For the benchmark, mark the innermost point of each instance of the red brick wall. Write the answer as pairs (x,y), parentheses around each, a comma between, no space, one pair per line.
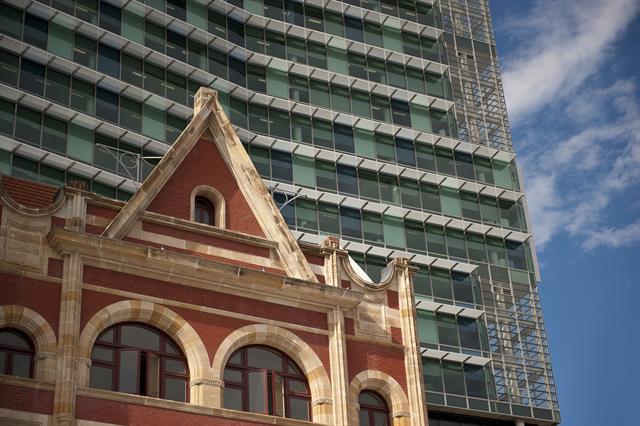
(365,356)
(40,296)
(392,297)
(204,166)
(26,399)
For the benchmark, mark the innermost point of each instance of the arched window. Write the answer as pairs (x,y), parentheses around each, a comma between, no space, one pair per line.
(16,353)
(204,211)
(264,380)
(137,359)
(373,409)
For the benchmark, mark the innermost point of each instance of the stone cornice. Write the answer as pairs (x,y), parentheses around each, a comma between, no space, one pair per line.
(190,226)
(172,266)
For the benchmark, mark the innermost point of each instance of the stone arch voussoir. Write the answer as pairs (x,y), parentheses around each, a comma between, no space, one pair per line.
(387,387)
(40,332)
(294,347)
(160,317)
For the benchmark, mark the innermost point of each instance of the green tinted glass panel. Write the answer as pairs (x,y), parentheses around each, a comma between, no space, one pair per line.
(153,123)
(450,202)
(393,232)
(277,83)
(304,171)
(364,141)
(427,327)
(60,41)
(502,174)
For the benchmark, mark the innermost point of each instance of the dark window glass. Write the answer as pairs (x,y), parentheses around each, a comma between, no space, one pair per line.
(357,66)
(260,158)
(453,378)
(131,70)
(475,381)
(432,375)
(401,115)
(317,55)
(28,125)
(177,8)
(373,409)
(299,89)
(217,24)
(430,197)
(258,119)
(414,234)
(279,125)
(274,9)
(7,115)
(410,193)
(464,165)
(350,221)
(9,66)
(343,138)
(57,87)
(84,51)
(87,10)
(107,105)
(347,179)
(275,44)
(389,189)
(405,152)
(380,108)
(425,157)
(470,207)
(469,334)
(301,129)
(447,330)
(372,227)
(264,380)
(435,240)
(462,287)
(326,175)
(109,17)
(32,77)
(397,75)
(154,36)
(296,50)
(16,353)
(328,219)
(176,88)
(322,134)
(237,73)
(294,13)
(218,63)
(82,96)
(137,359)
(131,114)
(369,187)
(256,78)
(235,32)
(10,21)
(176,46)
(197,54)
(353,29)
(204,211)
(54,135)
(516,255)
(281,167)
(444,161)
(314,19)
(238,112)
(36,31)
(108,61)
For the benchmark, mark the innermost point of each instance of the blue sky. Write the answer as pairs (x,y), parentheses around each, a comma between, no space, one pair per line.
(571,72)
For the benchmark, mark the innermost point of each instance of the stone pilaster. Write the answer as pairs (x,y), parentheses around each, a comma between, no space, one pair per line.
(337,337)
(64,402)
(412,360)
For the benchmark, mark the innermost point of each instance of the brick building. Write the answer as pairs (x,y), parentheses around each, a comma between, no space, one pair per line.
(192,303)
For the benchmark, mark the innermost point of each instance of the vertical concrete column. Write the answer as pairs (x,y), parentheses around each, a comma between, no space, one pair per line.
(412,359)
(337,337)
(64,402)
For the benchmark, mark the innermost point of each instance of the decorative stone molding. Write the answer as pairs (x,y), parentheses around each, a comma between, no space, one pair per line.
(401,413)
(40,332)
(213,382)
(321,401)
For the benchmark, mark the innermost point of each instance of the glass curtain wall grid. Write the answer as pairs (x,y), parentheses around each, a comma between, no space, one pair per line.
(386,115)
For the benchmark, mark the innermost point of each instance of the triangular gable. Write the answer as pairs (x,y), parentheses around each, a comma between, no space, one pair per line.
(210,125)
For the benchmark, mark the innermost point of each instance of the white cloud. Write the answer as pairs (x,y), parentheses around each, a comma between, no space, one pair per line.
(563,43)
(614,237)
(586,156)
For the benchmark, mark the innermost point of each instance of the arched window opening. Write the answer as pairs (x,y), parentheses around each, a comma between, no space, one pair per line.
(16,353)
(374,410)
(260,379)
(141,360)
(204,211)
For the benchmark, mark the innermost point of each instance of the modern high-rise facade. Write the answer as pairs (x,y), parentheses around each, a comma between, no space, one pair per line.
(380,121)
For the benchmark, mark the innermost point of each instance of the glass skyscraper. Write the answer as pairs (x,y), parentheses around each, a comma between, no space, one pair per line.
(382,121)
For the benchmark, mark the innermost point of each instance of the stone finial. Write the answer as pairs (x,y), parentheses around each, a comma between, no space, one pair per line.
(203,95)
(78,184)
(331,242)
